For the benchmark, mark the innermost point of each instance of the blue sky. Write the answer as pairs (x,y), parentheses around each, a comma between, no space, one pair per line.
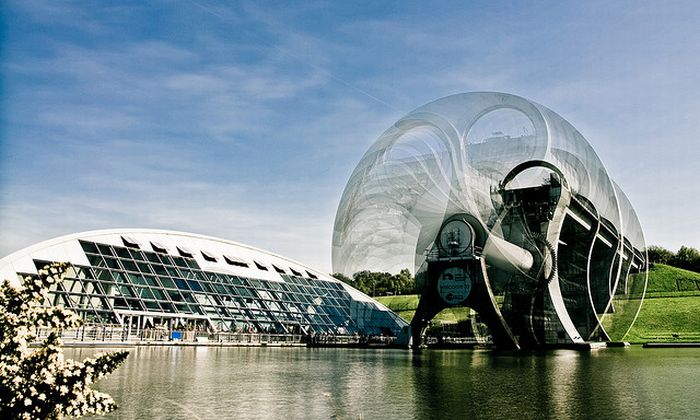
(244,120)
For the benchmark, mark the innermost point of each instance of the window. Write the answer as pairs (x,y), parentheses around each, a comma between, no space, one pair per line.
(194,285)
(278,269)
(136,279)
(208,256)
(260,266)
(137,255)
(145,268)
(112,263)
(152,281)
(89,247)
(167,282)
(105,249)
(129,265)
(152,305)
(122,252)
(311,275)
(295,272)
(180,262)
(165,259)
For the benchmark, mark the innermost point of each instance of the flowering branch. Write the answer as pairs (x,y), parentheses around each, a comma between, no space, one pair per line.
(39,383)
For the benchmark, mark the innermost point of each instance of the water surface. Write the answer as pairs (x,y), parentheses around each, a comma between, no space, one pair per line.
(274,383)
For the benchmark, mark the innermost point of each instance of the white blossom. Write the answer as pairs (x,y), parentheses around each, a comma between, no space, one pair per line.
(21,371)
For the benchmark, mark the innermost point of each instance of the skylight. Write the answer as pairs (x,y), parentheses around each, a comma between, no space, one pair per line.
(130,242)
(235,261)
(208,256)
(185,252)
(158,247)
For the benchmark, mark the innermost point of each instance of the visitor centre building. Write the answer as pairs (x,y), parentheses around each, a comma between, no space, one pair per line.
(144,279)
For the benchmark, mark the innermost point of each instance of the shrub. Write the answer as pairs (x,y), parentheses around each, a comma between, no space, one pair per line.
(40,383)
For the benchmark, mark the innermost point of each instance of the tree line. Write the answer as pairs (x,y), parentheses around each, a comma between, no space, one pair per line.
(687,257)
(381,284)
(376,283)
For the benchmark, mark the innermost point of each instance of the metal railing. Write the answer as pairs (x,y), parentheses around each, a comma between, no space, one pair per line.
(123,334)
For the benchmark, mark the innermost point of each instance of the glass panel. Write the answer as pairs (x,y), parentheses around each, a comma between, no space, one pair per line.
(137,279)
(152,305)
(89,247)
(137,255)
(180,262)
(105,249)
(151,281)
(194,285)
(119,276)
(168,282)
(145,268)
(112,263)
(126,291)
(122,252)
(96,261)
(129,265)
(175,296)
(159,294)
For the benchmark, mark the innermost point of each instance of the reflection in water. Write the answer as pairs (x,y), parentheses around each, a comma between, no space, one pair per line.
(171,382)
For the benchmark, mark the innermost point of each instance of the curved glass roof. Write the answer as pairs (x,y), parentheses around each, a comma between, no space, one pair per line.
(182,277)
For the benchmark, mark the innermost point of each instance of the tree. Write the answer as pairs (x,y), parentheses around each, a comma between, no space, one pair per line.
(363,281)
(687,258)
(659,254)
(405,283)
(375,283)
(342,277)
(40,383)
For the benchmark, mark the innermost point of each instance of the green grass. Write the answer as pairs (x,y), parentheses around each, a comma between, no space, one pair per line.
(662,318)
(405,306)
(664,278)
(400,302)
(670,312)
(671,309)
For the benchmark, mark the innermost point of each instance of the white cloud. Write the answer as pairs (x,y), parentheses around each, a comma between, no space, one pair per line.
(244,122)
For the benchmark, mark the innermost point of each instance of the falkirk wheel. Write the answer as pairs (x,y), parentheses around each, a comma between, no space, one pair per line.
(500,205)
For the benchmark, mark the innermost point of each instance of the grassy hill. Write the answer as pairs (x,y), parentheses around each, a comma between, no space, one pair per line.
(671,310)
(405,306)
(664,279)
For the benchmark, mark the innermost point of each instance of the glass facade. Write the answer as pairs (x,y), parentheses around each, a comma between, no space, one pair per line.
(130,283)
